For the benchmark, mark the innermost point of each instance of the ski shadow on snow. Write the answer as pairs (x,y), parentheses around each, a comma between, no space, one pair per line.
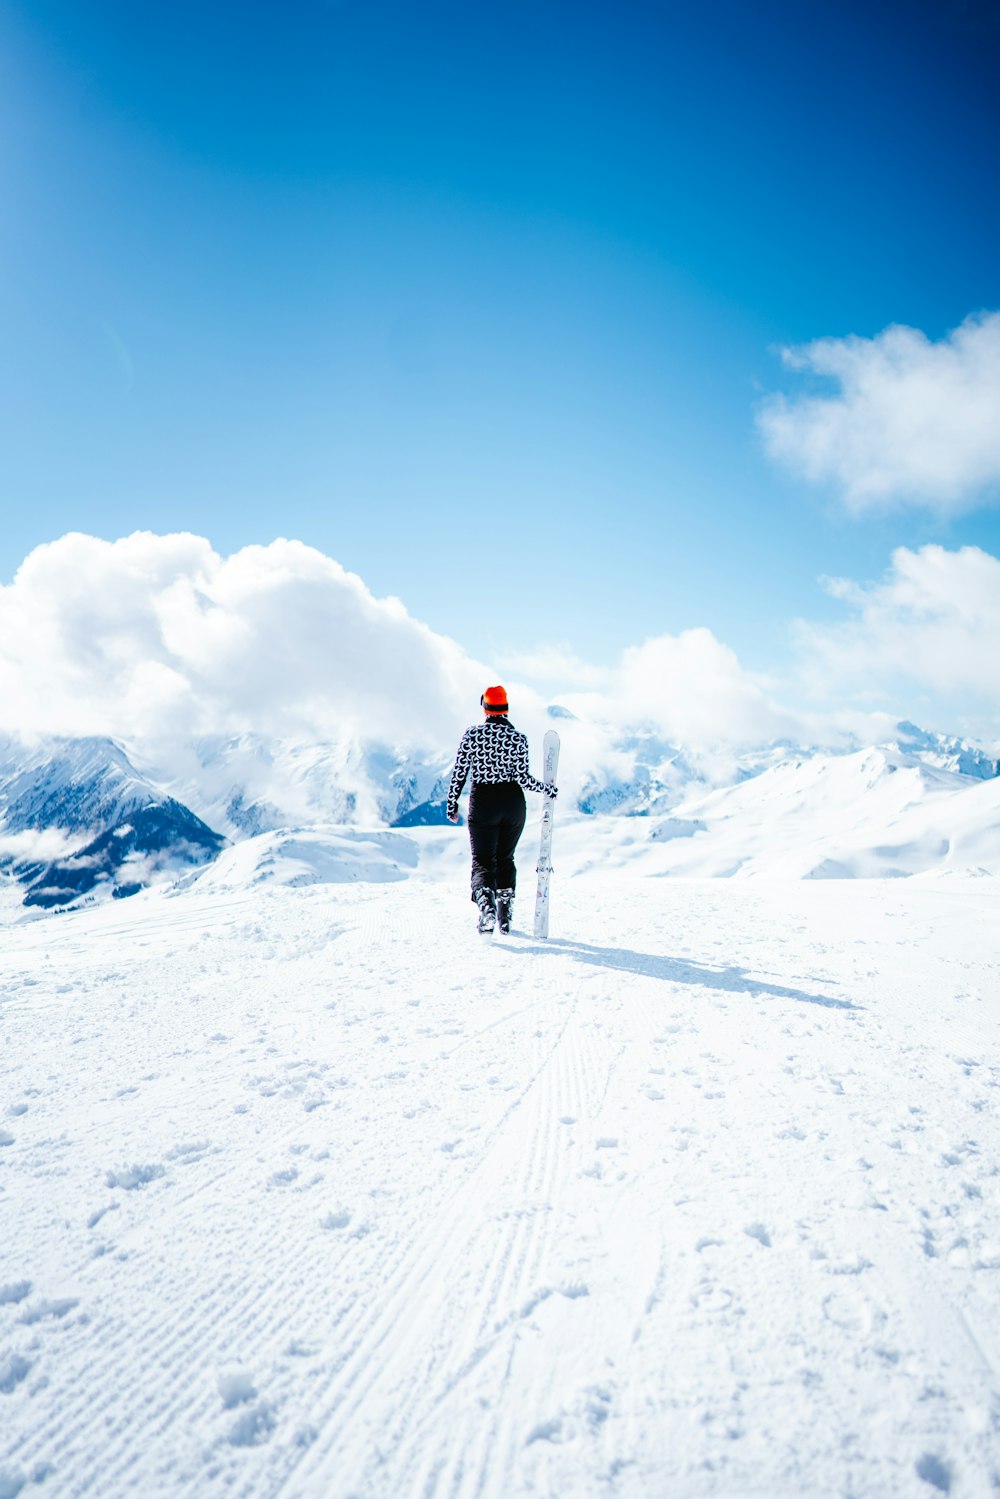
(679,971)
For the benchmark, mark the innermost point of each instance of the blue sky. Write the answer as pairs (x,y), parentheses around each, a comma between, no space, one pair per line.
(482,301)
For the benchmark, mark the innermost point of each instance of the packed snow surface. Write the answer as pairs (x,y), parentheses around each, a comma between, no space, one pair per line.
(306,1190)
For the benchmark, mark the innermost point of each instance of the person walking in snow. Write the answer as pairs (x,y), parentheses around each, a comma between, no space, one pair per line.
(495,754)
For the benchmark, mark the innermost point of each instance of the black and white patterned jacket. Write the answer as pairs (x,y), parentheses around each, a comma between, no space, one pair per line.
(493,752)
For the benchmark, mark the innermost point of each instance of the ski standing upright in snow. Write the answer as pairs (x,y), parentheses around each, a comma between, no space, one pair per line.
(550,766)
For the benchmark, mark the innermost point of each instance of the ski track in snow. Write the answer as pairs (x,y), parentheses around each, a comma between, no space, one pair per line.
(315,1193)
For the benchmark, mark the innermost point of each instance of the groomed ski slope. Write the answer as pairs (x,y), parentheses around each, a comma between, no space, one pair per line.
(312,1192)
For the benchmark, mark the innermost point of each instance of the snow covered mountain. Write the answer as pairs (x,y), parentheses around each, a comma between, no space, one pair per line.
(79,819)
(879,812)
(644,775)
(248,784)
(946,752)
(73,784)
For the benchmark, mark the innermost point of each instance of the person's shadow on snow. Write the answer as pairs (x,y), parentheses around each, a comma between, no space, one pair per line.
(678,971)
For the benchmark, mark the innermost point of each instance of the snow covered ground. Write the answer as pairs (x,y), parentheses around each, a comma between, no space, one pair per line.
(307,1190)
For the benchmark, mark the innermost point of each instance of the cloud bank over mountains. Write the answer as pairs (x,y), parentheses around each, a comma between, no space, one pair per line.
(691,686)
(912,422)
(159,636)
(932,621)
(157,640)
(154,638)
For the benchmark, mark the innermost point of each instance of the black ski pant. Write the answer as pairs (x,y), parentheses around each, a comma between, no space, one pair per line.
(496,821)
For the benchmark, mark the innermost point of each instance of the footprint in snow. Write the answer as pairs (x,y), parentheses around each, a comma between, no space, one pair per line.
(236,1387)
(597,1405)
(283,1178)
(853,1264)
(130,1178)
(711,1298)
(14,1291)
(95,1217)
(759,1232)
(42,1310)
(935,1472)
(254,1427)
(572,1291)
(545,1431)
(339,1218)
(13,1369)
(192,1151)
(17,1109)
(12,1481)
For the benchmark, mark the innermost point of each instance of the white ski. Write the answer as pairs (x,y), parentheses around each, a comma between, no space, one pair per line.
(550,764)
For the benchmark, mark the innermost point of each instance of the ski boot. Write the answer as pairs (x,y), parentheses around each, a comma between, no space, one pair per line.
(505,907)
(486,902)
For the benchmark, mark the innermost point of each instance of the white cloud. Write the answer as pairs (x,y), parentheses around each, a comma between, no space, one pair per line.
(155,637)
(557,668)
(155,640)
(38,845)
(913,421)
(694,688)
(933,621)
(688,690)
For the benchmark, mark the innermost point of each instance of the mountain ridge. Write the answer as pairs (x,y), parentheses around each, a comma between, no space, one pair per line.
(79,820)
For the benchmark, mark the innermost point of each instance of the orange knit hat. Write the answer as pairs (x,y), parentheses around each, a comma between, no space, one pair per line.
(494,700)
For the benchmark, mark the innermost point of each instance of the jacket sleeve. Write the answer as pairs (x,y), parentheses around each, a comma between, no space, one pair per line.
(524,777)
(463,764)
